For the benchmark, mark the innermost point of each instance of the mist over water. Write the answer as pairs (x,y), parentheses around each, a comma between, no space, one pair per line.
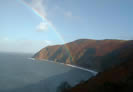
(20,74)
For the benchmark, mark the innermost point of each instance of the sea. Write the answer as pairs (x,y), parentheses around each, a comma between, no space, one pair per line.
(20,73)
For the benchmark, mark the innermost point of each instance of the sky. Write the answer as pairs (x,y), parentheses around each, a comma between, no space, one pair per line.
(30,25)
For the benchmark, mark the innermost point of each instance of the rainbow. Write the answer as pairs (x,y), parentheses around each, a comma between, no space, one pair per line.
(44,19)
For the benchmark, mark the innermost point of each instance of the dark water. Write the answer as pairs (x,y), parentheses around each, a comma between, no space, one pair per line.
(20,74)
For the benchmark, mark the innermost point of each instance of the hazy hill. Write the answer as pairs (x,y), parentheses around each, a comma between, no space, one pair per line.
(93,54)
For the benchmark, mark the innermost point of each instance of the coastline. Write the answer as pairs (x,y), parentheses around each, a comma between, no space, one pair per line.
(69,65)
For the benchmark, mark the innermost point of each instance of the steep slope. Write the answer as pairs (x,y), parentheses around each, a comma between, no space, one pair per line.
(117,79)
(92,54)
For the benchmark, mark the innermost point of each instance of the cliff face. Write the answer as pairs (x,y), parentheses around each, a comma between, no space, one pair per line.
(92,54)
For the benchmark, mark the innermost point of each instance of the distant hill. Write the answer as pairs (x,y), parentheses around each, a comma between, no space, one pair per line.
(117,79)
(92,54)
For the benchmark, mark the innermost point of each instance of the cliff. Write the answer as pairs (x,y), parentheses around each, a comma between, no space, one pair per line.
(93,54)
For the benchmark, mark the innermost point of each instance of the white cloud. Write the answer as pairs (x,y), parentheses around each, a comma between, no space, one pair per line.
(42,27)
(39,7)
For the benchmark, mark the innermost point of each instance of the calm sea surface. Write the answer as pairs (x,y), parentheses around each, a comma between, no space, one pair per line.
(20,74)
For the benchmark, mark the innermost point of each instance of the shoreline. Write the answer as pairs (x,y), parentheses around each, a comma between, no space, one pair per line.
(73,66)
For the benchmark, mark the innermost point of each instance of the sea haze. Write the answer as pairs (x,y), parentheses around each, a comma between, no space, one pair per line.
(20,74)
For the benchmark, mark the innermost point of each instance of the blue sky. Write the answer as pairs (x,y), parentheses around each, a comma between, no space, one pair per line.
(29,25)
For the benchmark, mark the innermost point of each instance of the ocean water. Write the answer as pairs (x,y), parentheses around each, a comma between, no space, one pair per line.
(20,74)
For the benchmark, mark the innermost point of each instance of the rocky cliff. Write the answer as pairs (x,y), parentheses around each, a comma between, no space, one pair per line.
(93,54)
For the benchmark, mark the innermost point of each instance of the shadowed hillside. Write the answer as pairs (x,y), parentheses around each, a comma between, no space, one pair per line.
(93,54)
(117,79)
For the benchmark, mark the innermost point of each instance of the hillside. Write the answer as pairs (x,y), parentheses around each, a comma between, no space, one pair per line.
(117,79)
(93,54)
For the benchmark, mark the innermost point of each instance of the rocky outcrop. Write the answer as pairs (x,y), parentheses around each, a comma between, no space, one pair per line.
(93,54)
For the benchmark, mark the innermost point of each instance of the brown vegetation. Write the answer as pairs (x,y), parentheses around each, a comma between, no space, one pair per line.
(117,79)
(93,54)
